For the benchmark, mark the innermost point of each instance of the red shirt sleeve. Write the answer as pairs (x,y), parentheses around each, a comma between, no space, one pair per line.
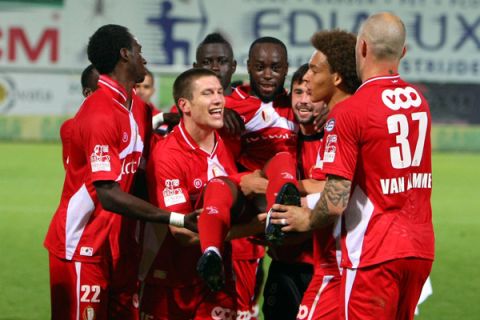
(101,141)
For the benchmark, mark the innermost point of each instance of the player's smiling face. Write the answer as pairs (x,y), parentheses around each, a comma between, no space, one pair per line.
(320,80)
(218,58)
(304,109)
(267,67)
(206,106)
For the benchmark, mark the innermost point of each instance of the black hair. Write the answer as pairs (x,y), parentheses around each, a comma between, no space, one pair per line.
(105,45)
(87,75)
(298,75)
(214,38)
(267,40)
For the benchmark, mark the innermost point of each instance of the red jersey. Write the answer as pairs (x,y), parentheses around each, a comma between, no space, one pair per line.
(65,133)
(107,144)
(177,172)
(270,127)
(308,157)
(380,140)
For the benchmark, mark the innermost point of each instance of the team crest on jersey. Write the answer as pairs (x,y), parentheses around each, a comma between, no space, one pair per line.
(89,313)
(125,137)
(330,148)
(330,125)
(99,159)
(198,183)
(173,194)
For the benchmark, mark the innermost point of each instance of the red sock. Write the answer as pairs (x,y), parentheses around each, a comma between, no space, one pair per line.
(214,221)
(282,168)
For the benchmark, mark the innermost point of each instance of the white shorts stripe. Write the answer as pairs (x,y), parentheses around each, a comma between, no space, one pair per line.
(350,278)
(78,269)
(326,280)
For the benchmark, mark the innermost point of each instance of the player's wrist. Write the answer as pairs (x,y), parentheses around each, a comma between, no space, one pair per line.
(177,219)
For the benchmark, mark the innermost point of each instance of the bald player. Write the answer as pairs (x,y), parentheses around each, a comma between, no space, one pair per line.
(377,158)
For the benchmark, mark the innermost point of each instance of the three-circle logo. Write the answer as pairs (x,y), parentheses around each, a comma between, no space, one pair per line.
(401,98)
(7,90)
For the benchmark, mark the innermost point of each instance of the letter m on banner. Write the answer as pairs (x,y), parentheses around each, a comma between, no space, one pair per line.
(18,39)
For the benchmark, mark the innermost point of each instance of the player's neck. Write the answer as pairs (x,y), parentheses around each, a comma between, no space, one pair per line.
(307,129)
(204,137)
(379,68)
(337,97)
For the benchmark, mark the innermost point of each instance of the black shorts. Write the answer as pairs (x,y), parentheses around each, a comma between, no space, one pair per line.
(284,289)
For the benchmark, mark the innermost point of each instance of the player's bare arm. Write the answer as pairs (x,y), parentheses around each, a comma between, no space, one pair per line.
(114,199)
(332,203)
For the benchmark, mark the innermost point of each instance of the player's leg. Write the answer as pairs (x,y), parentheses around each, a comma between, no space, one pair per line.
(220,304)
(221,199)
(281,171)
(170,303)
(123,295)
(284,289)
(415,274)
(245,274)
(78,290)
(321,300)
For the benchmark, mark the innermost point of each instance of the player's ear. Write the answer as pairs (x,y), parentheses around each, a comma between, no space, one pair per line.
(337,79)
(184,105)
(124,52)
(234,66)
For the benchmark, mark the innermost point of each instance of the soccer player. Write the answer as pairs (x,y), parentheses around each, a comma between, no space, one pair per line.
(91,239)
(179,167)
(377,158)
(269,120)
(89,81)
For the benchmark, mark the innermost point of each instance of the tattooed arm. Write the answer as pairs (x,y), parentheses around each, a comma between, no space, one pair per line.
(332,203)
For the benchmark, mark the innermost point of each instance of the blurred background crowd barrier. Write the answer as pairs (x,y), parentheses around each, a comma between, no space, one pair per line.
(43,51)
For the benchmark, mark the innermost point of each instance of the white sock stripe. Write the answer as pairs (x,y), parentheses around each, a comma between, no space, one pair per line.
(78,269)
(350,275)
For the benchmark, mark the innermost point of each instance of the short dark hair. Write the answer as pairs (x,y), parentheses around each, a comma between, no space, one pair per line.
(182,87)
(87,75)
(214,38)
(339,48)
(105,45)
(268,40)
(298,75)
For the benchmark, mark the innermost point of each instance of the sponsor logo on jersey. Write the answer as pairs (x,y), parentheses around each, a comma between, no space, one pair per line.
(219,313)
(89,313)
(129,167)
(330,148)
(302,312)
(401,98)
(86,251)
(330,125)
(100,160)
(172,194)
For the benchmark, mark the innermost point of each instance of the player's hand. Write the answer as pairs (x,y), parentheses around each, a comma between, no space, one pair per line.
(253,183)
(233,123)
(184,237)
(321,118)
(294,218)
(171,118)
(191,220)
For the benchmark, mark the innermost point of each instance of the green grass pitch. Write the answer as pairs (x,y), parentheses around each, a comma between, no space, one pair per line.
(31,177)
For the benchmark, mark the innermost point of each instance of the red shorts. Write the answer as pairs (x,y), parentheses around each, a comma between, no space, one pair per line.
(389,290)
(321,300)
(98,291)
(195,302)
(246,276)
